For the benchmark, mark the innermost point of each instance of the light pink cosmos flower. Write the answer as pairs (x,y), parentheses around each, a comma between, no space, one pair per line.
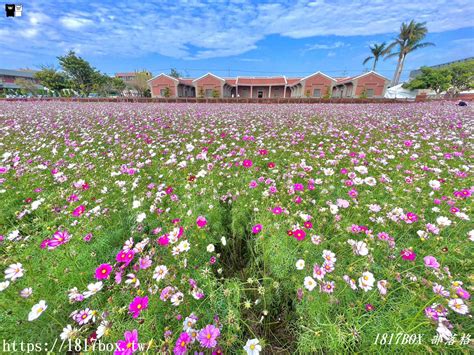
(430,261)
(59,238)
(207,336)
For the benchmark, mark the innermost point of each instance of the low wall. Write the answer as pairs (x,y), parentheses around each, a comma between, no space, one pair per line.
(293,100)
(212,100)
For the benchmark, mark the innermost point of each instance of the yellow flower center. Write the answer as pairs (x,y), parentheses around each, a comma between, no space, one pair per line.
(139,306)
(252,347)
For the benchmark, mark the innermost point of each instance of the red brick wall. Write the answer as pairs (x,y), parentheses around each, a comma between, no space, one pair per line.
(317,81)
(162,82)
(208,82)
(370,81)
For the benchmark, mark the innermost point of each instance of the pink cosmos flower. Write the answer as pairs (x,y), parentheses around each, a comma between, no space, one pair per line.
(411,218)
(298,187)
(463,293)
(430,261)
(103,271)
(88,237)
(59,238)
(201,221)
(163,240)
(408,254)
(299,234)
(144,262)
(129,345)
(253,184)
(277,210)
(125,257)
(256,228)
(207,336)
(138,304)
(353,193)
(247,163)
(78,211)
(181,343)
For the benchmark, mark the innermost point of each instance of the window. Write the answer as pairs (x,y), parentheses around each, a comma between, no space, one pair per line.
(317,93)
(259,94)
(208,92)
(163,92)
(370,92)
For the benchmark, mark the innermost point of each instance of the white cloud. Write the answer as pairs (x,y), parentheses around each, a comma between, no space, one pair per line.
(199,29)
(74,23)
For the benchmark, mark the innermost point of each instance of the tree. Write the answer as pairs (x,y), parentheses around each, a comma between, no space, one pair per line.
(81,74)
(51,78)
(167,92)
(175,74)
(435,79)
(408,40)
(462,76)
(26,86)
(140,82)
(378,51)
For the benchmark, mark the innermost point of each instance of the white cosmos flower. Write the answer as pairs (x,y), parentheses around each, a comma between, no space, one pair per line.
(458,306)
(141,217)
(160,272)
(103,329)
(443,221)
(37,310)
(4,285)
(69,333)
(177,298)
(93,288)
(443,330)
(14,271)
(210,248)
(26,292)
(252,347)
(434,184)
(300,264)
(366,281)
(309,283)
(223,241)
(359,247)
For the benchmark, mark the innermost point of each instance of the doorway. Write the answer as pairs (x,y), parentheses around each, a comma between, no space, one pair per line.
(259,94)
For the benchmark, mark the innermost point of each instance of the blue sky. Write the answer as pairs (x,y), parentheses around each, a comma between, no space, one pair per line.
(233,37)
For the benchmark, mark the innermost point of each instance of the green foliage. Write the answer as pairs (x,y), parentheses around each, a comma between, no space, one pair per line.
(81,74)
(175,74)
(140,82)
(52,79)
(215,93)
(327,95)
(363,94)
(408,40)
(435,79)
(378,51)
(167,92)
(462,75)
(201,92)
(26,86)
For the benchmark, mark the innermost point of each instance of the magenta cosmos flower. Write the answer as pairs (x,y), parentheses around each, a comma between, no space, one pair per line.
(207,336)
(103,271)
(247,163)
(201,221)
(299,234)
(125,257)
(128,345)
(411,218)
(256,228)
(59,238)
(277,210)
(408,254)
(138,304)
(181,343)
(430,261)
(78,211)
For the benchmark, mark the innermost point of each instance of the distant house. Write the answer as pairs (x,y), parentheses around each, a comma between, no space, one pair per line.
(9,77)
(316,85)
(130,77)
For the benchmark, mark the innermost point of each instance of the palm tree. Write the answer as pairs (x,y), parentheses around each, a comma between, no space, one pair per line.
(408,40)
(378,51)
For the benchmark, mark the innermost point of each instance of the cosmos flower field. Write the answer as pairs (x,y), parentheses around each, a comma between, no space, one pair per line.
(233,228)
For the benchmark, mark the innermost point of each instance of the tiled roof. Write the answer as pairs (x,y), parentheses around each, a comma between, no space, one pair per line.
(186,81)
(261,81)
(292,81)
(19,73)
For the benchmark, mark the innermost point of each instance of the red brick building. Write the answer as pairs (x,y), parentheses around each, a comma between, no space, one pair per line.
(318,85)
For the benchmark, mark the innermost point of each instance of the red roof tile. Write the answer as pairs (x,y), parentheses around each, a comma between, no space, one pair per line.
(261,81)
